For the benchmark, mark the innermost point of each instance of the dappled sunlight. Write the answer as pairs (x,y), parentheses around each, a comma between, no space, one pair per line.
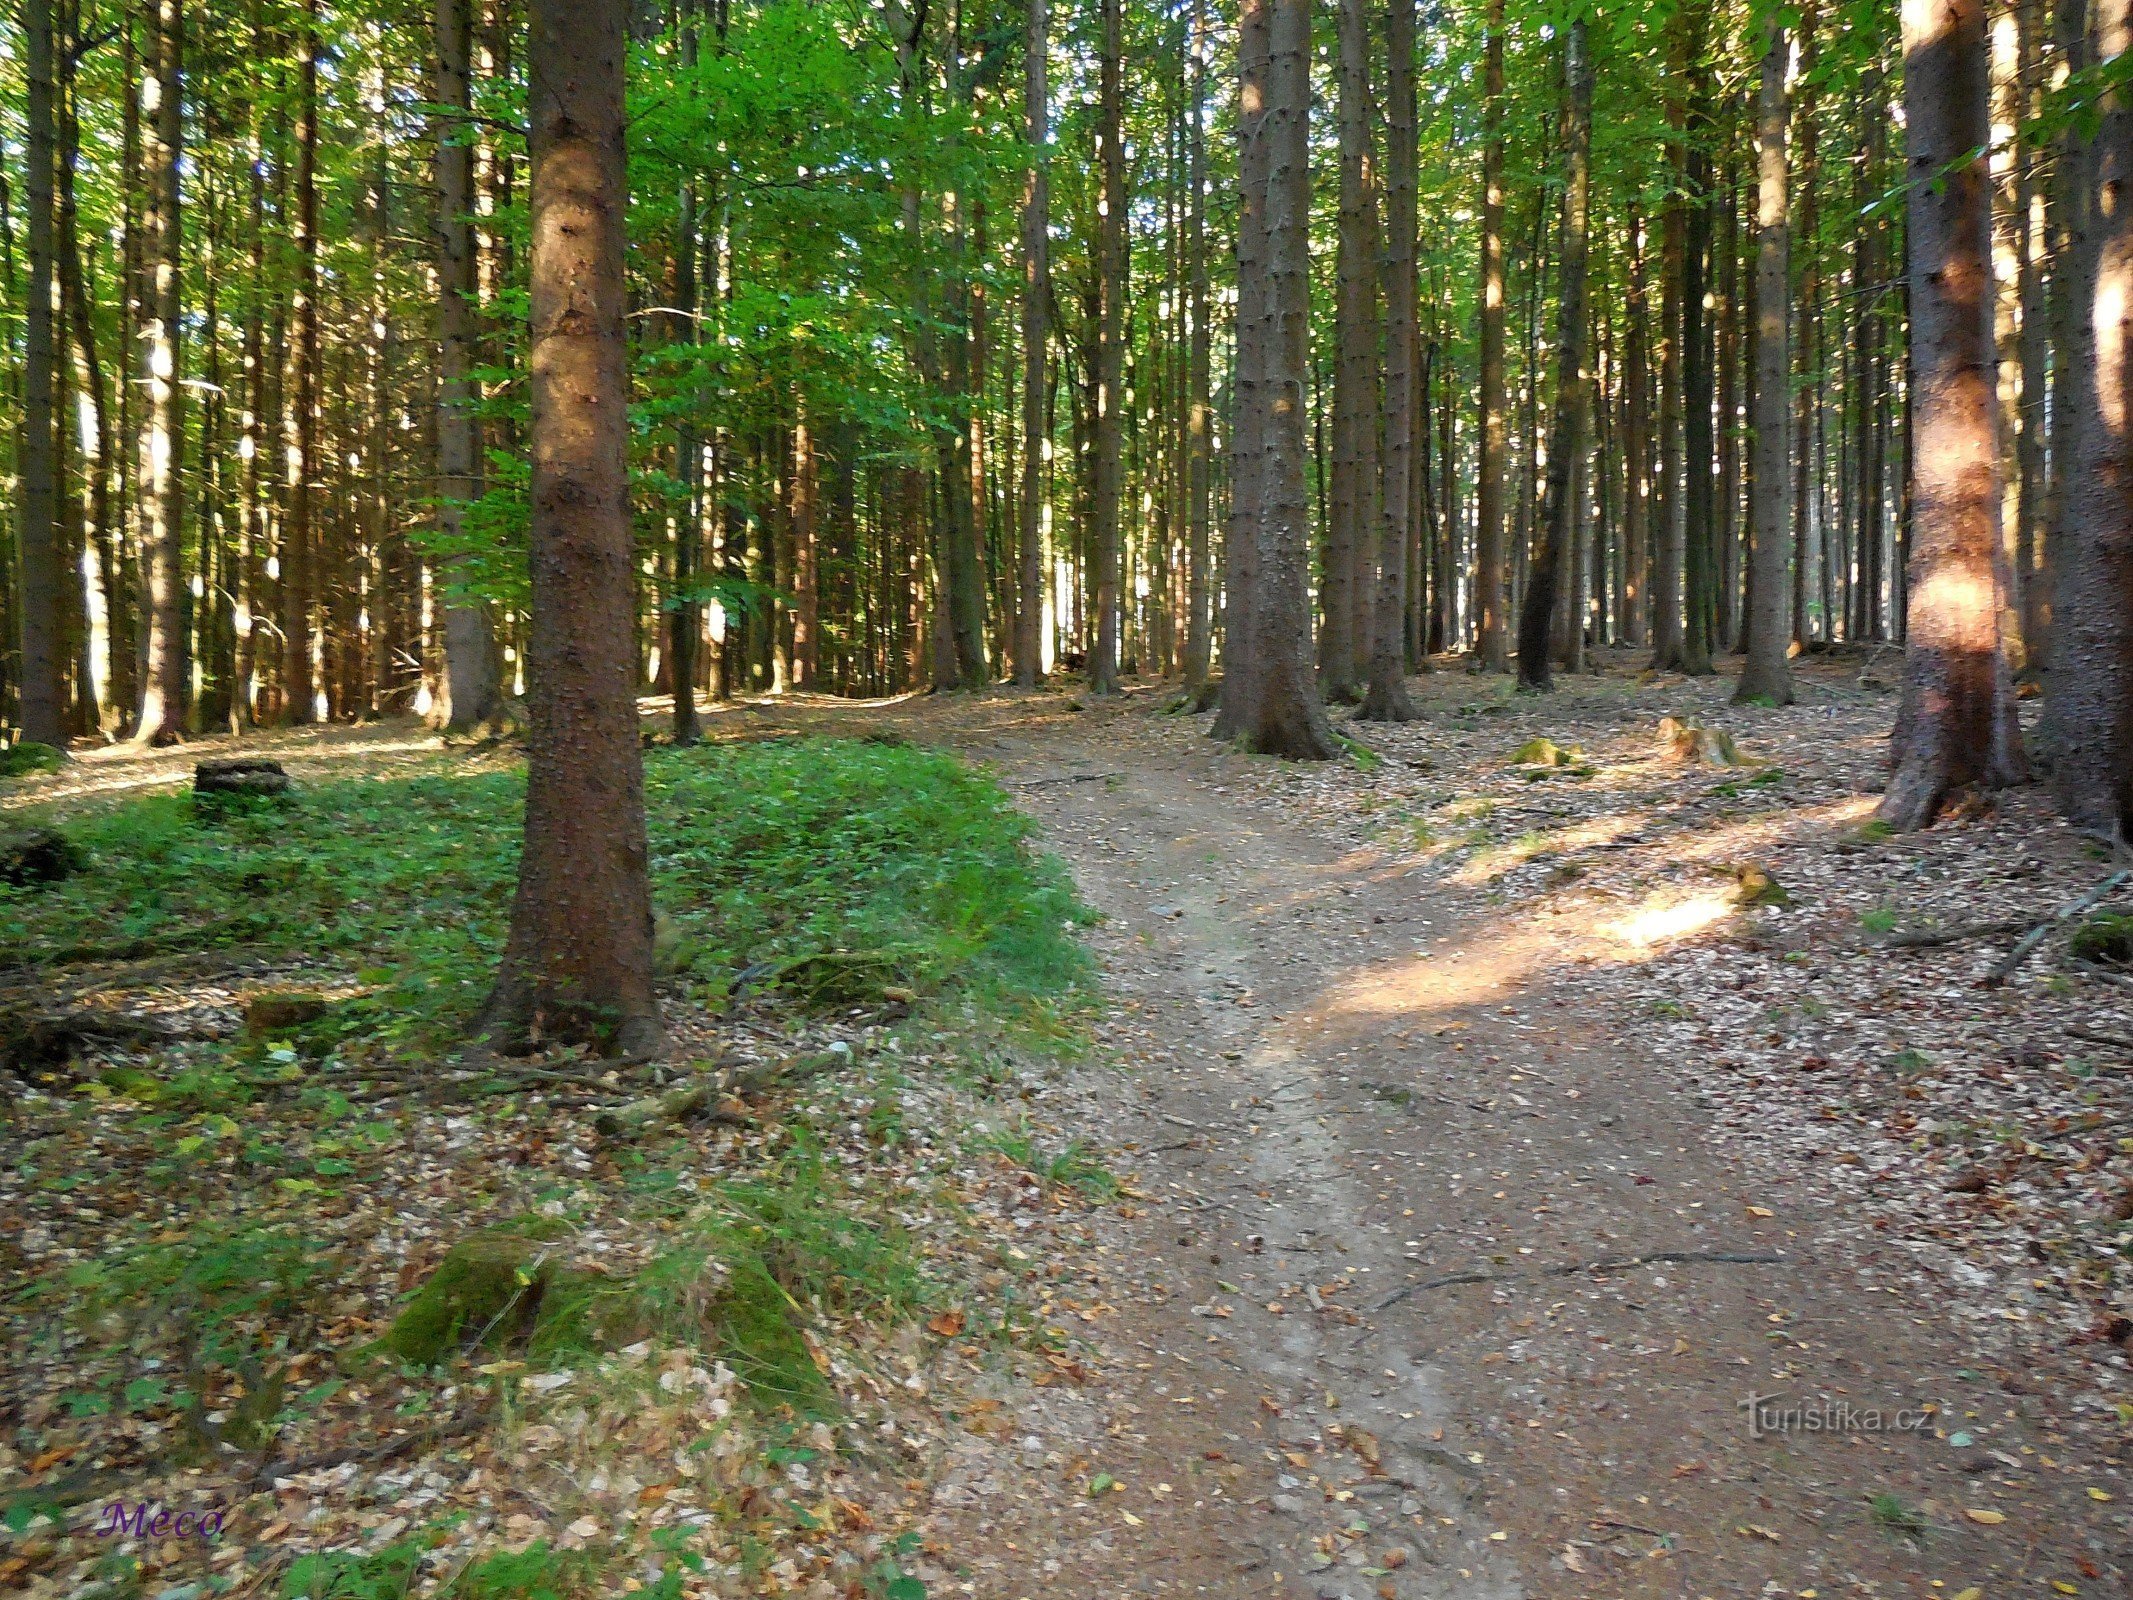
(1669,919)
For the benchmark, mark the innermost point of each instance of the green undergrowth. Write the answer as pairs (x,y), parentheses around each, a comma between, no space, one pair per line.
(839,872)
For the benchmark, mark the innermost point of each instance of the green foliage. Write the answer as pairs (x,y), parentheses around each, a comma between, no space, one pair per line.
(837,869)
(2106,936)
(26,756)
(1071,1167)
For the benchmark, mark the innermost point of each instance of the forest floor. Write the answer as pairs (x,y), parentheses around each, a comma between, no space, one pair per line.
(1486,1143)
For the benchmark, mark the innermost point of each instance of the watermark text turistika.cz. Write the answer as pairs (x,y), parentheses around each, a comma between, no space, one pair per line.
(1780,1413)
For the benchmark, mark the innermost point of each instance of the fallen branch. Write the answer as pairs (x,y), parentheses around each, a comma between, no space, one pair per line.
(2030,940)
(1972,930)
(1064,777)
(2098,1036)
(1605,1264)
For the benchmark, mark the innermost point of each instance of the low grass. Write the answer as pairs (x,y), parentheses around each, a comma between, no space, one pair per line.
(840,871)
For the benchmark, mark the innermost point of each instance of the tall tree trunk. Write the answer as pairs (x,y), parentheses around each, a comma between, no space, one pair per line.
(1386,700)
(1559,511)
(2091,680)
(1199,427)
(41,684)
(1956,728)
(2032,580)
(1806,401)
(2065,209)
(299,577)
(1634,612)
(685,613)
(1767,674)
(1287,718)
(1670,512)
(578,963)
(1355,369)
(161,487)
(1111,347)
(1699,450)
(1491,645)
(1251,372)
(1036,294)
(471,697)
(807,597)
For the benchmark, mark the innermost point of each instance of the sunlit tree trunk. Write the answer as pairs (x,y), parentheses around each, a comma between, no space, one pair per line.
(1565,443)
(1636,584)
(578,963)
(1956,727)
(1355,370)
(1669,510)
(1808,379)
(1492,650)
(1767,675)
(470,665)
(160,481)
(299,578)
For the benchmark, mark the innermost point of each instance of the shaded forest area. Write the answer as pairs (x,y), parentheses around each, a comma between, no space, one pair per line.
(1299,344)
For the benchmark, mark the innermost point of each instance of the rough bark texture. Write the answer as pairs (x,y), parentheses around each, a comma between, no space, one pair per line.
(1036,289)
(1492,646)
(1956,727)
(1386,698)
(1565,445)
(470,665)
(162,442)
(40,683)
(1240,668)
(685,613)
(1111,352)
(578,964)
(2091,678)
(1636,444)
(1767,675)
(1355,373)
(1287,718)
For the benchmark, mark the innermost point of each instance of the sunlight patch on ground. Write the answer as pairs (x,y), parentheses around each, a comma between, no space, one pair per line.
(1669,919)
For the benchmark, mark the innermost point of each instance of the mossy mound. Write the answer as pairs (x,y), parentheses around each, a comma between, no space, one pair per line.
(2107,936)
(1756,887)
(33,856)
(1546,753)
(275,1012)
(27,755)
(499,1288)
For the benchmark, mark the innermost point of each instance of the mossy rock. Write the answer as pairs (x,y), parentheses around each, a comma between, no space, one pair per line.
(499,1288)
(26,756)
(1546,753)
(1756,887)
(2107,936)
(1710,747)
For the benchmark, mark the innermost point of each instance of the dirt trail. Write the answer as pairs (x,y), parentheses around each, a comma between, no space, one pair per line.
(1440,1289)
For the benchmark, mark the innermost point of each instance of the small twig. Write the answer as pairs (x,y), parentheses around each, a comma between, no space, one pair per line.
(2030,940)
(1605,1264)
(1971,930)
(2098,1036)
(1064,777)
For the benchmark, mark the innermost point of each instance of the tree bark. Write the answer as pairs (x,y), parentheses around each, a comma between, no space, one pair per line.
(1386,699)
(1355,371)
(1636,587)
(1669,510)
(578,963)
(1956,728)
(299,578)
(1767,674)
(1698,445)
(1287,718)
(1111,348)
(160,482)
(1036,293)
(2091,679)
(471,698)
(1492,650)
(1238,710)
(1565,444)
(41,684)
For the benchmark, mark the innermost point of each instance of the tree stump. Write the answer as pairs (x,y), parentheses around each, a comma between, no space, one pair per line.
(240,775)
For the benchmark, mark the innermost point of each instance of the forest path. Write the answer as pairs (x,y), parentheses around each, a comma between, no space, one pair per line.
(1387,1342)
